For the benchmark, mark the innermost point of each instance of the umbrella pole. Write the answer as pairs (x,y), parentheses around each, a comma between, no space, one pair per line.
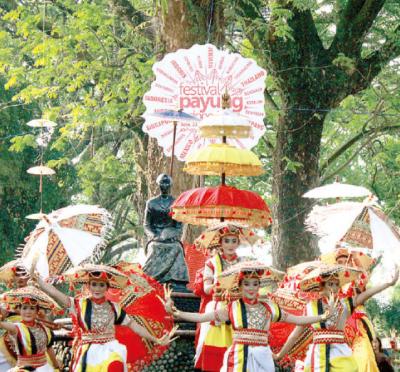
(171,168)
(223,173)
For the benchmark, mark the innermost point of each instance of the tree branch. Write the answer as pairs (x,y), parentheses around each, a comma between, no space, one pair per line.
(374,132)
(355,19)
(354,140)
(369,67)
(132,17)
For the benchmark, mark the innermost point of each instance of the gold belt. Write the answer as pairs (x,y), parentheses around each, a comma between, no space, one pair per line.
(34,360)
(252,337)
(327,336)
(97,338)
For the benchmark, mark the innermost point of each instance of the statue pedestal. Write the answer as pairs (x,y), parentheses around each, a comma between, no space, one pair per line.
(166,263)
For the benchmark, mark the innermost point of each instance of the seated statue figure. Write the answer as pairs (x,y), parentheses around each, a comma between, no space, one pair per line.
(165,261)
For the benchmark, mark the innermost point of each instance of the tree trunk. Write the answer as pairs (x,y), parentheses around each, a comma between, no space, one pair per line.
(295,172)
(182,24)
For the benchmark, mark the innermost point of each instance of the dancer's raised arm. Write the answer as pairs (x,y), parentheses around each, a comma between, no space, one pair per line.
(370,292)
(53,292)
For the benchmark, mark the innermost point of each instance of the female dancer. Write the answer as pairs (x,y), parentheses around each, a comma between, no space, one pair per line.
(329,350)
(32,339)
(359,325)
(250,320)
(216,336)
(13,275)
(97,349)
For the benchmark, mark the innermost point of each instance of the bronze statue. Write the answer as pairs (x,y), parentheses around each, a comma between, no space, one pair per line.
(165,261)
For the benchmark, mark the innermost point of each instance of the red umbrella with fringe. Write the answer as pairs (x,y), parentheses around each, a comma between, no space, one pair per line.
(208,205)
(141,301)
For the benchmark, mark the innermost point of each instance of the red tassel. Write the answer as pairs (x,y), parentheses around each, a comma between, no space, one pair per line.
(347,274)
(76,275)
(363,276)
(251,233)
(268,273)
(319,279)
(14,269)
(202,237)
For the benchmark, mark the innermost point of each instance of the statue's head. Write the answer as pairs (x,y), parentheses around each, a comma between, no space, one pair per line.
(165,183)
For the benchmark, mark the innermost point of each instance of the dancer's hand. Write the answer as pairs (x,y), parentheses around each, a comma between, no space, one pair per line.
(332,303)
(168,337)
(276,356)
(167,301)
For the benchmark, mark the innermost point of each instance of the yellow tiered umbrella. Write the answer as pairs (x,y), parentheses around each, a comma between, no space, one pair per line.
(216,159)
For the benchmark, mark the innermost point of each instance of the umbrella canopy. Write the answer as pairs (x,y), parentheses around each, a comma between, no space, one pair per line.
(345,275)
(141,284)
(361,225)
(173,115)
(216,159)
(211,237)
(41,123)
(41,170)
(226,123)
(337,190)
(66,238)
(207,205)
(83,274)
(229,279)
(30,293)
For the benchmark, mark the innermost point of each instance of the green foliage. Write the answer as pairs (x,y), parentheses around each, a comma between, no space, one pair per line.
(19,191)
(385,316)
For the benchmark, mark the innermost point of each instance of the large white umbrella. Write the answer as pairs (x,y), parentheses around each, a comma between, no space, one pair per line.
(65,238)
(337,190)
(360,225)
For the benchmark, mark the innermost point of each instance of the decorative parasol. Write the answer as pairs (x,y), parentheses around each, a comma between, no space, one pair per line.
(67,237)
(142,302)
(41,170)
(24,294)
(175,117)
(225,123)
(344,274)
(8,271)
(41,123)
(208,205)
(140,284)
(83,274)
(337,190)
(361,225)
(222,158)
(194,80)
(229,279)
(211,237)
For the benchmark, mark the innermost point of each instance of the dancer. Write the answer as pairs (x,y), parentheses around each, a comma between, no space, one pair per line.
(97,350)
(359,324)
(216,336)
(250,318)
(32,339)
(329,351)
(13,275)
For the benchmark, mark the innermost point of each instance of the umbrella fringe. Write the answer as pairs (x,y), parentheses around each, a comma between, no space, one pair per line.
(100,249)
